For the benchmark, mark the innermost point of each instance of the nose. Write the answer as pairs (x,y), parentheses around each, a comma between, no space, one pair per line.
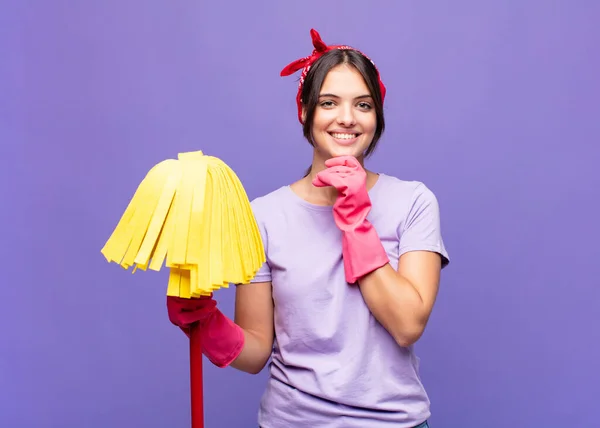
(346,115)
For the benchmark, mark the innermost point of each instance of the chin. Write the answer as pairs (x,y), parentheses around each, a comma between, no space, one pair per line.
(333,153)
(355,151)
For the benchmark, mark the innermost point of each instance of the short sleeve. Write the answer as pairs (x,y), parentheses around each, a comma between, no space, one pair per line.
(264,273)
(420,230)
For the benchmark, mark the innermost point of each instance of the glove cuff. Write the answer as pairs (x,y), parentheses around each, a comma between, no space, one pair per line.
(222,340)
(363,251)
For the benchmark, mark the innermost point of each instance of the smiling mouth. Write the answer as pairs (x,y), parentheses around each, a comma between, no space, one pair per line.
(343,136)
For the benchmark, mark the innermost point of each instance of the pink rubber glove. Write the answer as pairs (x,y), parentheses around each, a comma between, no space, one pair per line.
(222,340)
(362,249)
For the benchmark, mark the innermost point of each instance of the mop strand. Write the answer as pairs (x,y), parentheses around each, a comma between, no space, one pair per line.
(193,216)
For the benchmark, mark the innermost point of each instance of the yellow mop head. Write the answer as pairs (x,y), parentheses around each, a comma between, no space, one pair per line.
(192,214)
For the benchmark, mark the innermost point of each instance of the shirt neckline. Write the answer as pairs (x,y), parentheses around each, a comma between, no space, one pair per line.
(298,199)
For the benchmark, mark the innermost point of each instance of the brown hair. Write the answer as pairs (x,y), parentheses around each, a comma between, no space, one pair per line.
(314,81)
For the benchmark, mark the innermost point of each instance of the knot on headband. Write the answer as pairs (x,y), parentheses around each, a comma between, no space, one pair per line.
(304,64)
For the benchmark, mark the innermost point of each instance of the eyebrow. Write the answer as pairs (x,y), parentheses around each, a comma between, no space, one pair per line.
(337,96)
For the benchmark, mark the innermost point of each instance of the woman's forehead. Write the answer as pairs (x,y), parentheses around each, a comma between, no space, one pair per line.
(344,81)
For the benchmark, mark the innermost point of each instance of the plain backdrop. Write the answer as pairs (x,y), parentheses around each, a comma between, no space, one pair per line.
(494,105)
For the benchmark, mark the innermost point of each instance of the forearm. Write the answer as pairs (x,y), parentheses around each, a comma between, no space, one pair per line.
(254,355)
(395,303)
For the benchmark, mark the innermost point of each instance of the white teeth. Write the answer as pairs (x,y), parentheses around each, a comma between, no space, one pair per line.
(343,136)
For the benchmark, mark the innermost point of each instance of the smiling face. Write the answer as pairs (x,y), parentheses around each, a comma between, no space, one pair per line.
(344,121)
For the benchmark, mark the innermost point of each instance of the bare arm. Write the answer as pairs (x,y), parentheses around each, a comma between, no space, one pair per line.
(402,300)
(254,314)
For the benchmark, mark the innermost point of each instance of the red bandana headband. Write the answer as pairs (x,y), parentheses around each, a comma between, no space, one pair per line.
(306,62)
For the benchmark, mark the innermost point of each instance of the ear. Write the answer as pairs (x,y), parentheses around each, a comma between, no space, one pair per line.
(303,115)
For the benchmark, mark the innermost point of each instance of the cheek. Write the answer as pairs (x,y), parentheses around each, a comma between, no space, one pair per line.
(322,120)
(371,124)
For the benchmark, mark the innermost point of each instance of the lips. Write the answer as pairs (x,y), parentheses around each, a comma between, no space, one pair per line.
(343,135)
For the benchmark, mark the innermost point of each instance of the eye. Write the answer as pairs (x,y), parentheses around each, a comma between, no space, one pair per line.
(365,106)
(326,104)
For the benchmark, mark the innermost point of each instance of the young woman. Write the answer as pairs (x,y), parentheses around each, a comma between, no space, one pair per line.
(352,272)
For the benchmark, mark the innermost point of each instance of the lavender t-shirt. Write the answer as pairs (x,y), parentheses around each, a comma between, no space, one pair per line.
(333,365)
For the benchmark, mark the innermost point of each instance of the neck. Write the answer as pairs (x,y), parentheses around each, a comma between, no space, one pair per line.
(323,195)
(316,195)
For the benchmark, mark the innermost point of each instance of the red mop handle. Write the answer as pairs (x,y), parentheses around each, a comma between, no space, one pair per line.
(196,386)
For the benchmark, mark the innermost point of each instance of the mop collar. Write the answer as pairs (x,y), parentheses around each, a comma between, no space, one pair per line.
(304,64)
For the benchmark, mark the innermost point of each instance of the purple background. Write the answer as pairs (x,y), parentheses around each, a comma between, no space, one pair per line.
(494,106)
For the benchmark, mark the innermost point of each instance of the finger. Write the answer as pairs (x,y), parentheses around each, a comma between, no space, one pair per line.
(346,160)
(336,161)
(341,170)
(319,181)
(334,180)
